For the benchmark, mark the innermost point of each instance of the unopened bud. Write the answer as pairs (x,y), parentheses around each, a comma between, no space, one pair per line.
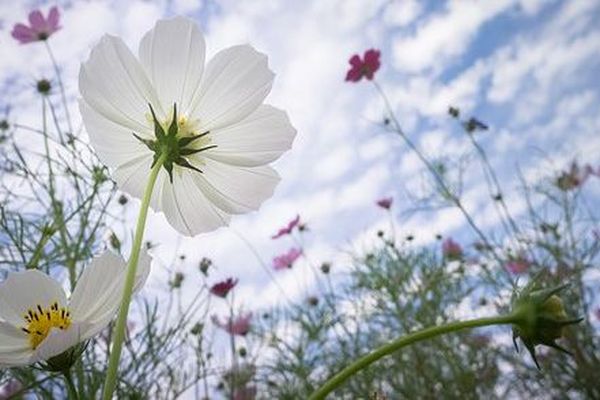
(543,318)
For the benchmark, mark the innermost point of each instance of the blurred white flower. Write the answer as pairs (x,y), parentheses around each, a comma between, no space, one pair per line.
(210,122)
(37,322)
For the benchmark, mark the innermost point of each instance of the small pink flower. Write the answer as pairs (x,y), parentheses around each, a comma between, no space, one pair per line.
(10,389)
(245,393)
(286,260)
(385,203)
(238,326)
(518,265)
(365,67)
(286,230)
(39,29)
(452,250)
(222,289)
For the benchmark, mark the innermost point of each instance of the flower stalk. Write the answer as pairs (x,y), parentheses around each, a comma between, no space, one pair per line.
(407,340)
(119,330)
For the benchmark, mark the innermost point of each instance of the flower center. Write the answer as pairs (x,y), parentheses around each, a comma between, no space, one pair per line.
(41,320)
(175,144)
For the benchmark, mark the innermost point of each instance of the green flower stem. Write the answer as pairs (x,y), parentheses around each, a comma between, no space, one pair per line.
(408,340)
(119,330)
(70,386)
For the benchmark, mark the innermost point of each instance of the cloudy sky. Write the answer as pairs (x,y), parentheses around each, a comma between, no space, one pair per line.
(528,68)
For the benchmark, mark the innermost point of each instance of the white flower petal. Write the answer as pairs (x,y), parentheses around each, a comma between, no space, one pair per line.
(172,55)
(257,140)
(26,290)
(132,178)
(13,342)
(114,84)
(98,292)
(236,190)
(186,207)
(59,341)
(235,83)
(114,143)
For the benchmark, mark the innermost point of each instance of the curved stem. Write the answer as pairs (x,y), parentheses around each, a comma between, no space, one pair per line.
(119,330)
(403,341)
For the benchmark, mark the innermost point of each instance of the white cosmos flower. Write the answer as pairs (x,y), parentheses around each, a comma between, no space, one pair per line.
(219,106)
(37,322)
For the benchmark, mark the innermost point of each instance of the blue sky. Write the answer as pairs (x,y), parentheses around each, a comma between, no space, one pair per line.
(529,68)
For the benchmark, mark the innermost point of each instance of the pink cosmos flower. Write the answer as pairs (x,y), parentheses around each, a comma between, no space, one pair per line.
(222,289)
(518,265)
(385,203)
(367,66)
(40,28)
(286,230)
(10,389)
(286,260)
(451,249)
(236,326)
(245,393)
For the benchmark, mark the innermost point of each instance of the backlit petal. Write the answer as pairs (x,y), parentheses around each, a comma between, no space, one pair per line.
(172,55)
(257,140)
(114,84)
(235,82)
(187,208)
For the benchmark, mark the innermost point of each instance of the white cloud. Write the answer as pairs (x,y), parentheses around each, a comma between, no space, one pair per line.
(444,36)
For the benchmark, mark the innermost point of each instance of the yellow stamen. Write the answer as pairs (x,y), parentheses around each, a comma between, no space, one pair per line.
(41,320)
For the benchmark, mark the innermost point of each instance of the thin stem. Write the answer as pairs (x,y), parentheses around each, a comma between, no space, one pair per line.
(70,386)
(119,330)
(61,86)
(404,341)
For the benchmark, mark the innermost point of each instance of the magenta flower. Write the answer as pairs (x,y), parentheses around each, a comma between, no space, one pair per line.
(236,326)
(222,289)
(286,260)
(367,66)
(385,203)
(39,29)
(245,393)
(286,230)
(518,265)
(451,250)
(10,389)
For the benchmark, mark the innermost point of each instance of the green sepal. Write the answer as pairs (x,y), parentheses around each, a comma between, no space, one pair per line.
(188,152)
(184,141)
(159,132)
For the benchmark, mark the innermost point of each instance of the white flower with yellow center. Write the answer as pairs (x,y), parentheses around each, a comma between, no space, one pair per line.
(37,322)
(209,124)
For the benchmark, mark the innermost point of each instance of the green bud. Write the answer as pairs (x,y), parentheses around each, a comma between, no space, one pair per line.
(43,86)
(543,318)
(64,361)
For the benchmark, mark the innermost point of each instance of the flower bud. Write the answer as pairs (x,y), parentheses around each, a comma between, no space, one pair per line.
(43,86)
(542,318)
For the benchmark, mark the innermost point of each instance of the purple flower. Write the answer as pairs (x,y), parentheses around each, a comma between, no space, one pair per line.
(245,393)
(222,289)
(40,28)
(518,265)
(286,260)
(10,389)
(286,230)
(385,203)
(236,326)
(365,67)
(452,250)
